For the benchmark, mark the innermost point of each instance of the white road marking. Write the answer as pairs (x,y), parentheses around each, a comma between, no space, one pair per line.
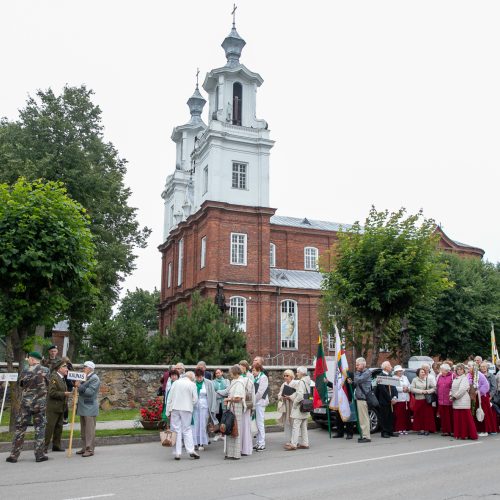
(291,471)
(95,496)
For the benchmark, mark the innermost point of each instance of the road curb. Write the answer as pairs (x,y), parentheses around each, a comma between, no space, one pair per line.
(133,439)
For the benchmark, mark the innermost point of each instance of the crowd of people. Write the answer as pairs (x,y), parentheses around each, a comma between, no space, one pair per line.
(45,391)
(195,401)
(460,400)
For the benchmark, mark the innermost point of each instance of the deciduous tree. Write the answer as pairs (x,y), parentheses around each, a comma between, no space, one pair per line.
(46,257)
(384,268)
(457,323)
(60,138)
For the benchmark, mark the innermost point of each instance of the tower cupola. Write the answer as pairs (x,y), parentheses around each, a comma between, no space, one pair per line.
(196,103)
(233,44)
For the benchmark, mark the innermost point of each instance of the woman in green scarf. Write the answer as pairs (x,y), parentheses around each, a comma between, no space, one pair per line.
(205,409)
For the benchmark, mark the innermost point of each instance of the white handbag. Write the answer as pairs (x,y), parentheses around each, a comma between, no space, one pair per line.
(479,411)
(253,427)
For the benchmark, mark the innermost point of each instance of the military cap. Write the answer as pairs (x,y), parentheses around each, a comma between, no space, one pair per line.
(59,364)
(35,354)
(52,347)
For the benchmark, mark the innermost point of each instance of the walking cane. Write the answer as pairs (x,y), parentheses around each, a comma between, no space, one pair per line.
(75,399)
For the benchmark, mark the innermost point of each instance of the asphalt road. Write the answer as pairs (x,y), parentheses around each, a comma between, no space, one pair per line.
(412,467)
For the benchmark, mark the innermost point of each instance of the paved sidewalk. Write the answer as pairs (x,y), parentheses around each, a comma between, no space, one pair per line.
(126,424)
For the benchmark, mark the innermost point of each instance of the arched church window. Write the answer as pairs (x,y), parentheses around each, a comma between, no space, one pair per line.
(289,324)
(237,103)
(238,309)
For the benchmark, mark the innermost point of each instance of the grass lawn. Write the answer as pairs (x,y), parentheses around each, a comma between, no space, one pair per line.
(104,416)
(7,436)
(271,407)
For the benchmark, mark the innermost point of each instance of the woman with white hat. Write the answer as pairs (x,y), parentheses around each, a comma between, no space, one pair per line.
(402,422)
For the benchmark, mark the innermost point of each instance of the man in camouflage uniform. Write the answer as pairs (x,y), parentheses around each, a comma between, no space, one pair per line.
(53,359)
(34,382)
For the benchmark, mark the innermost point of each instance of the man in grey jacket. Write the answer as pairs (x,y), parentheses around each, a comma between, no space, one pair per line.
(363,384)
(88,408)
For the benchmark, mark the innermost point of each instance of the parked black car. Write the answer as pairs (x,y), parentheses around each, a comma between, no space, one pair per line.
(319,415)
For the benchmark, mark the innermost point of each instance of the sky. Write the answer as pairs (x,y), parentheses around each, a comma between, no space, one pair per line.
(386,103)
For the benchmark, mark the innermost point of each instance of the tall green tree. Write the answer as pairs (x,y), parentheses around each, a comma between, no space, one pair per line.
(457,323)
(60,138)
(384,268)
(130,336)
(46,257)
(202,332)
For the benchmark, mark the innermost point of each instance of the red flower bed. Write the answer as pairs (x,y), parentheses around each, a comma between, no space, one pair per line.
(151,411)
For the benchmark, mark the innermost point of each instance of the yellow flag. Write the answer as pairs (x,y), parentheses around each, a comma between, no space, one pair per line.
(494,350)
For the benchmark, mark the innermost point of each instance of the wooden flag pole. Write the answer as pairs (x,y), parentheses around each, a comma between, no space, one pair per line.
(75,400)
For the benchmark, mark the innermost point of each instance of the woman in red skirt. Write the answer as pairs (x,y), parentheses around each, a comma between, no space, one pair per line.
(463,423)
(423,415)
(445,408)
(402,420)
(489,424)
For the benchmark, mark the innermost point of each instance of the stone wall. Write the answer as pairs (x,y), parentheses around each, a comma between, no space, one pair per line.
(130,386)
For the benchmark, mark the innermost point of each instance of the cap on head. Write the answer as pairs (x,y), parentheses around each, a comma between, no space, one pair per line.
(89,364)
(52,347)
(35,354)
(59,364)
(398,368)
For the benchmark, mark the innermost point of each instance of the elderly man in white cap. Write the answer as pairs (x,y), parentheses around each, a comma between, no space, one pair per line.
(88,408)
(402,416)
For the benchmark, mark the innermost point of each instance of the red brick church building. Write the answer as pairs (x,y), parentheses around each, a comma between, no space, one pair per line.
(220,229)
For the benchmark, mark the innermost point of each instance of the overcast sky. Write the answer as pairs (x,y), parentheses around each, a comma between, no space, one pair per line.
(392,103)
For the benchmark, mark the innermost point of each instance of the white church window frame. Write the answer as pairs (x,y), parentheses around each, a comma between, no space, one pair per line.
(272,255)
(238,249)
(311,255)
(239,175)
(289,325)
(180,261)
(203,252)
(169,275)
(238,309)
(205,180)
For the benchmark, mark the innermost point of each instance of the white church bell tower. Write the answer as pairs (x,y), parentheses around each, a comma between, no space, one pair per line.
(178,194)
(228,160)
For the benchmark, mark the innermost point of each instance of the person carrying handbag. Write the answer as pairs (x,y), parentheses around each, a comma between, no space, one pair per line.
(300,438)
(236,403)
(423,415)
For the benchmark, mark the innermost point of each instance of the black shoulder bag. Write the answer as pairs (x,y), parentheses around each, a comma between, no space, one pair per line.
(306,405)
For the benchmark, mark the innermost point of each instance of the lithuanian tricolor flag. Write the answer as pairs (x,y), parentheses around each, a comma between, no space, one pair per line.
(320,393)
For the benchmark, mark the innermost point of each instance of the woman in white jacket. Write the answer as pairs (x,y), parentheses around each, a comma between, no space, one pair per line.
(285,404)
(463,423)
(402,420)
(300,438)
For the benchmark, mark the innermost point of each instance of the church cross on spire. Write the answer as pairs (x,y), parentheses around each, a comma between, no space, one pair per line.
(197,73)
(233,13)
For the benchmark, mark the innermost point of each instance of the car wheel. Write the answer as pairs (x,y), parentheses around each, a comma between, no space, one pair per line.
(373,415)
